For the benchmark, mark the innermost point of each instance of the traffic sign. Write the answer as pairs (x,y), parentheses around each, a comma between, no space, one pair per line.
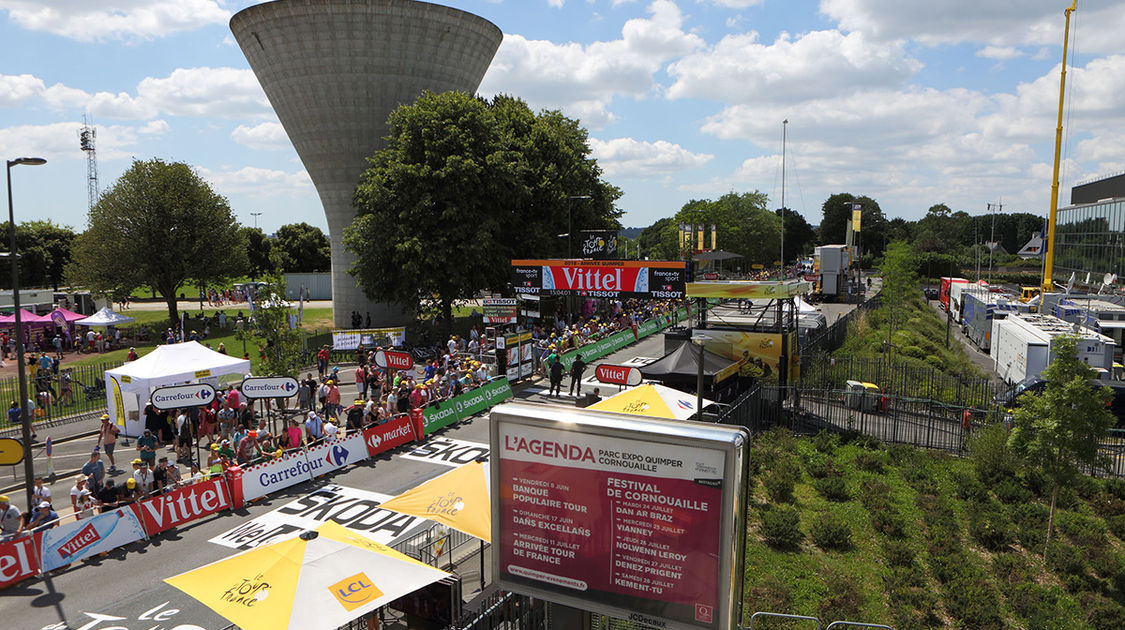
(618,374)
(193,395)
(394,360)
(11,451)
(269,387)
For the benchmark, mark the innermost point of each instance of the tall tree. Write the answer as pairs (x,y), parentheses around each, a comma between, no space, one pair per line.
(837,211)
(282,351)
(159,224)
(1058,430)
(799,235)
(259,251)
(658,241)
(465,185)
(44,250)
(302,248)
(900,282)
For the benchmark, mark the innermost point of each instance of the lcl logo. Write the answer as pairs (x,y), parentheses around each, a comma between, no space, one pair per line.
(355,591)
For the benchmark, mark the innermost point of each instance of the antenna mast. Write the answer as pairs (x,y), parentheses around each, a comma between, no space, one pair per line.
(86,137)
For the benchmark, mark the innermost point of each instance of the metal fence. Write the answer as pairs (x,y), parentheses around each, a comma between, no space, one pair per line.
(70,391)
(901,380)
(832,337)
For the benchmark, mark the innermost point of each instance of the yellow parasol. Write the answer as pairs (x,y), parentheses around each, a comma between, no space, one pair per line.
(458,498)
(320,579)
(654,401)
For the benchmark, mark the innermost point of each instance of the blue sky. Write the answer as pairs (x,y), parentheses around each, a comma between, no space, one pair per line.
(912,103)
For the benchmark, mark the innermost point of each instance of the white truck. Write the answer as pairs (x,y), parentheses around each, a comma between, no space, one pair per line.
(1022,346)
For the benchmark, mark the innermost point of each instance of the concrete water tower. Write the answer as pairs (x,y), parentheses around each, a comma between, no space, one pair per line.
(333,71)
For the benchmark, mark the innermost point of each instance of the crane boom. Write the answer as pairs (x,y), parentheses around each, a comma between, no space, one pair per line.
(1049,257)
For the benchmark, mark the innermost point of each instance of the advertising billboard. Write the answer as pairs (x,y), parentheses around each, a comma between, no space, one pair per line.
(759,355)
(600,278)
(368,338)
(499,310)
(747,290)
(637,519)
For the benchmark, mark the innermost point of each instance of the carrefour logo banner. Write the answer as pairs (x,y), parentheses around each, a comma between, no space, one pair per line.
(262,479)
(337,454)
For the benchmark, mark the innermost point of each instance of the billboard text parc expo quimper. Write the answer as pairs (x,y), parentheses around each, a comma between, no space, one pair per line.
(634,518)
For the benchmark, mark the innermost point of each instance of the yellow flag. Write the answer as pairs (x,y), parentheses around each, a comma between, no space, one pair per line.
(118,403)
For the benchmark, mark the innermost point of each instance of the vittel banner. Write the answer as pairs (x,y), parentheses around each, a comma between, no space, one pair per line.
(80,539)
(181,506)
(18,560)
(600,278)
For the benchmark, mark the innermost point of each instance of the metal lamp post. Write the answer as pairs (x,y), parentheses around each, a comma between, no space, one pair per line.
(25,416)
(701,340)
(570,223)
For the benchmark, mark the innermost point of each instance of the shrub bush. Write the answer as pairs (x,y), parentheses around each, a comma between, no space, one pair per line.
(969,487)
(781,527)
(988,450)
(832,488)
(970,599)
(1107,505)
(771,593)
(1102,613)
(1085,531)
(889,523)
(1010,491)
(1105,562)
(1117,525)
(1033,479)
(1116,487)
(1011,570)
(844,599)
(871,461)
(875,494)
(826,442)
(898,553)
(831,532)
(1030,521)
(1087,487)
(990,527)
(1065,559)
(1036,604)
(779,486)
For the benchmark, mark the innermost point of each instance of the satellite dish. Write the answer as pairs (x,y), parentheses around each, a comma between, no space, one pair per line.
(1107,278)
(1070,283)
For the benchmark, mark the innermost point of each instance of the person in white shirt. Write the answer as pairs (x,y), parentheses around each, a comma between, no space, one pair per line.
(40,493)
(330,429)
(85,505)
(79,485)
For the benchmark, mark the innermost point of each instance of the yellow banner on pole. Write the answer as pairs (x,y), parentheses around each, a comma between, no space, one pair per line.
(857,215)
(118,403)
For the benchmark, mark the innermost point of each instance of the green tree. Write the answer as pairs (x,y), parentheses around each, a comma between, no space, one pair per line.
(658,241)
(900,282)
(837,211)
(1058,430)
(799,235)
(44,250)
(259,251)
(159,224)
(464,186)
(282,350)
(302,248)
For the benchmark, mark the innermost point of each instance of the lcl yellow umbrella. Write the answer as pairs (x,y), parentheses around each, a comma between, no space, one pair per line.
(320,579)
(458,498)
(654,401)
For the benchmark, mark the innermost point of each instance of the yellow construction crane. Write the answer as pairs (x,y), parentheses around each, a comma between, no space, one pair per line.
(1049,257)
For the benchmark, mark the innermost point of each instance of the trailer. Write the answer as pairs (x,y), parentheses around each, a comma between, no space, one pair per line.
(981,307)
(1022,346)
(831,263)
(956,299)
(944,290)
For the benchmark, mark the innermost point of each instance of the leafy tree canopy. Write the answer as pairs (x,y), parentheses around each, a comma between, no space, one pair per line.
(259,251)
(302,248)
(159,224)
(465,185)
(44,250)
(743,223)
(837,211)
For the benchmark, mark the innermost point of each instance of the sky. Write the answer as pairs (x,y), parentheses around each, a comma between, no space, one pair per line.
(911,103)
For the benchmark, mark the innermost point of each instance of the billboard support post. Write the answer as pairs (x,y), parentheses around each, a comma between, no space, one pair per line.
(659,503)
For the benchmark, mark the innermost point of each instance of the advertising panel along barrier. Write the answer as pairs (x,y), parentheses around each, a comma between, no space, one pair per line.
(467,404)
(618,340)
(368,338)
(74,541)
(384,437)
(19,560)
(600,278)
(183,505)
(499,310)
(261,479)
(336,454)
(634,519)
(747,290)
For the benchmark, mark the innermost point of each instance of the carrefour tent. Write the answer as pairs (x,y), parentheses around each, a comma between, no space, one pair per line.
(128,387)
(105,317)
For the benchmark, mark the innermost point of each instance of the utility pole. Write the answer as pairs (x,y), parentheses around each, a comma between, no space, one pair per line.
(784,139)
(992,238)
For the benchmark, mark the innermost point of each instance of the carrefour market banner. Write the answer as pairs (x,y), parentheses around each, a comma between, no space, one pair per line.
(600,278)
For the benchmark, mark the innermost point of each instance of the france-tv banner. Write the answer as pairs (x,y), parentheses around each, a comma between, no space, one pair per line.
(600,278)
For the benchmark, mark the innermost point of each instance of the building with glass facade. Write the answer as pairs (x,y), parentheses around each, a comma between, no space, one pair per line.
(1090,234)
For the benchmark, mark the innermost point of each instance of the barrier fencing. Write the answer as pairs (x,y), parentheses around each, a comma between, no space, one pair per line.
(72,391)
(62,544)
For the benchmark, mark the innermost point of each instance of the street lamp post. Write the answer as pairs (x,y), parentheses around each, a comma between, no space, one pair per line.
(570,223)
(25,416)
(700,339)
(255,215)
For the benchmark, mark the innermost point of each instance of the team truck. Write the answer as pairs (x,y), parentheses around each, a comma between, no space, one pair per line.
(944,290)
(1022,346)
(980,307)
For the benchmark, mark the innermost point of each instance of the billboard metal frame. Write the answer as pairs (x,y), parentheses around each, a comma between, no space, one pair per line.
(732,442)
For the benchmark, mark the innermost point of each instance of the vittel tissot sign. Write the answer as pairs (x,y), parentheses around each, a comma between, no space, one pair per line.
(636,519)
(599,278)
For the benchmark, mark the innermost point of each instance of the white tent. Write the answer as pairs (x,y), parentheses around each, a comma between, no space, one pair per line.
(105,317)
(804,307)
(129,386)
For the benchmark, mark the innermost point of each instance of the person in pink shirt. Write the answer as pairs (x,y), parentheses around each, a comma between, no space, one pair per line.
(295,434)
(361,382)
(333,399)
(234,398)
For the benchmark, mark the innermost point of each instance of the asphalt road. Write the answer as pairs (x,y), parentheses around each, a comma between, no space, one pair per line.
(123,588)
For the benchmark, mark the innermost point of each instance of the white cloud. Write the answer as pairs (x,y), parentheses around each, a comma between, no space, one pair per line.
(736,4)
(59,141)
(572,76)
(998,22)
(206,92)
(739,69)
(259,181)
(87,21)
(155,128)
(999,53)
(17,88)
(628,157)
(267,136)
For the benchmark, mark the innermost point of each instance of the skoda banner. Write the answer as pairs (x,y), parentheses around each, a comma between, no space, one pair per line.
(600,278)
(467,404)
